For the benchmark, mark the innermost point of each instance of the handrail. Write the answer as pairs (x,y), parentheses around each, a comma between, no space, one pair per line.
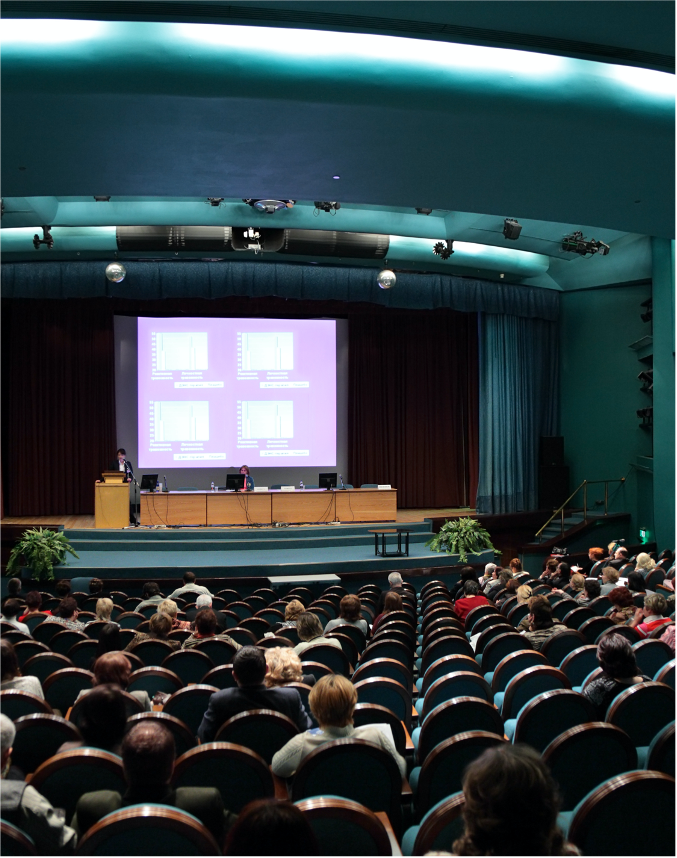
(583,485)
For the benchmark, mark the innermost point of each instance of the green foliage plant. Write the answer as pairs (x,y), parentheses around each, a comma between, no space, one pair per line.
(461,536)
(41,550)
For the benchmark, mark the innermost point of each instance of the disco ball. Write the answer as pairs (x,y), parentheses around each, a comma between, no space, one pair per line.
(386,279)
(115,272)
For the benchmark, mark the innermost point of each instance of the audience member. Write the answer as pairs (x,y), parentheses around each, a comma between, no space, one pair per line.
(577,584)
(550,571)
(486,575)
(151,595)
(392,602)
(349,612)
(594,556)
(332,702)
(492,580)
(610,578)
(644,564)
(651,616)
(10,611)
(206,627)
(204,601)
(101,720)
(616,657)
(591,590)
(636,583)
(96,588)
(511,806)
(515,566)
(467,574)
(668,636)
(63,588)
(504,575)
(33,603)
(511,587)
(623,603)
(113,668)
(159,628)
(12,679)
(148,756)
(620,558)
(309,629)
(284,666)
(189,586)
(67,615)
(395,585)
(169,607)
(249,670)
(291,613)
(524,593)
(472,599)
(268,826)
(541,624)
(110,639)
(23,806)
(562,576)
(104,609)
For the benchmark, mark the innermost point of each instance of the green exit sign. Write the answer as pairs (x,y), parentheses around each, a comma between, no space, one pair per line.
(644,535)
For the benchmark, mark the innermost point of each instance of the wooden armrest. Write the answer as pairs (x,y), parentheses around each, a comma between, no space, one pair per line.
(280,784)
(409,745)
(394,845)
(407,792)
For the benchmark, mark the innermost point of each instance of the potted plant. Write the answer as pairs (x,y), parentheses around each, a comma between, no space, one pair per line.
(461,536)
(41,550)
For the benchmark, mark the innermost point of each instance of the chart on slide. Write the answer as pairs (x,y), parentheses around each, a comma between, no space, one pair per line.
(180,351)
(267,419)
(274,351)
(181,421)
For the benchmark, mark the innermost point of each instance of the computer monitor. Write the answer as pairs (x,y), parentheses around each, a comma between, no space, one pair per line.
(234,481)
(327,481)
(149,482)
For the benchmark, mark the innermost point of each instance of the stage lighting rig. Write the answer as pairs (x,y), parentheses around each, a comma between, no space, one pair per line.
(444,249)
(46,239)
(331,207)
(511,229)
(648,316)
(269,206)
(102,199)
(575,243)
(215,201)
(646,414)
(646,377)
(423,211)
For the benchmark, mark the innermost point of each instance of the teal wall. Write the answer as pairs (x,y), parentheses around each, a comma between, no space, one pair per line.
(600,394)
(663,257)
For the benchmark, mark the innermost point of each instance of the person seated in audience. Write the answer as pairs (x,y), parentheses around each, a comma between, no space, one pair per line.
(159,627)
(550,571)
(104,609)
(332,701)
(511,806)
(33,606)
(206,627)
(591,590)
(110,640)
(169,607)
(63,588)
(392,602)
(486,576)
(541,624)
(189,586)
(96,588)
(13,590)
(515,566)
(112,668)
(395,585)
(12,680)
(616,657)
(644,564)
(636,583)
(10,612)
(467,574)
(151,595)
(511,587)
(284,666)
(493,578)
(66,614)
(472,598)
(148,757)
(610,578)
(620,558)
(205,601)
(268,826)
(651,616)
(524,593)
(668,636)
(249,671)
(101,720)
(504,575)
(291,613)
(576,585)
(23,806)
(349,612)
(561,577)
(594,556)
(623,606)
(310,632)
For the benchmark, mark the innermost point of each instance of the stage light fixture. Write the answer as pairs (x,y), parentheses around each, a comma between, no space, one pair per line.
(444,249)
(646,377)
(646,415)
(116,272)
(269,206)
(386,279)
(46,239)
(215,201)
(648,316)
(511,229)
(331,207)
(102,199)
(423,211)
(575,243)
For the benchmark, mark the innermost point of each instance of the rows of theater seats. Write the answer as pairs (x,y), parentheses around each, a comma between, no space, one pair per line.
(444,701)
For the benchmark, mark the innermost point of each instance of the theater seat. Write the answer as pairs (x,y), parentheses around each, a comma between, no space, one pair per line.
(642,711)
(661,755)
(549,715)
(439,828)
(345,827)
(14,704)
(190,704)
(263,731)
(13,841)
(38,737)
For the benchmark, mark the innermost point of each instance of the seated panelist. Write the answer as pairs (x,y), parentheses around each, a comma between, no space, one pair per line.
(248,481)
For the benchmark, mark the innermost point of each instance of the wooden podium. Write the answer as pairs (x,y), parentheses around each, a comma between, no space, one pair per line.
(111,504)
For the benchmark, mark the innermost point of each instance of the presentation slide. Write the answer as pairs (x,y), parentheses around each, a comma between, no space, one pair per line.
(219,392)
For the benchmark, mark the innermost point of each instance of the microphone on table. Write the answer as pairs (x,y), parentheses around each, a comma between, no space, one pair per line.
(165,489)
(341,478)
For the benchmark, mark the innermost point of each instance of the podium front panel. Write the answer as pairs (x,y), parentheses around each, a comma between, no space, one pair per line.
(111,505)
(366,505)
(239,508)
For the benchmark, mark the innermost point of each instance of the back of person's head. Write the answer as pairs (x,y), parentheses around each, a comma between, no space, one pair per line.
(636,582)
(148,754)
(592,587)
(203,601)
(189,577)
(577,581)
(332,701)
(102,716)
(109,639)
(524,592)
(95,586)
(564,570)
(169,607)
(392,602)
(645,561)
(511,805)
(249,666)
(284,665)
(205,622)
(160,625)
(541,612)
(551,564)
(467,574)
(271,827)
(596,554)
(616,656)
(622,552)
(7,733)
(112,667)
(612,575)
(308,626)
(489,568)
(395,579)
(63,587)
(621,597)
(12,607)
(511,586)
(293,609)
(33,600)
(656,604)
(14,586)
(471,588)
(516,565)
(505,576)
(104,608)
(350,608)
(66,608)
(9,663)
(150,589)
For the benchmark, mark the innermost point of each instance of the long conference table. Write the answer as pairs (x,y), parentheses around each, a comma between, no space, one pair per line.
(309,506)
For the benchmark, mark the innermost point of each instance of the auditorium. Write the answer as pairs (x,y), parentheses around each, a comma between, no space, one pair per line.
(338,326)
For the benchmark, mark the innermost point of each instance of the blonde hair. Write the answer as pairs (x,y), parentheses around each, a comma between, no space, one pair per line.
(612,575)
(523,593)
(332,701)
(577,581)
(644,561)
(104,608)
(284,666)
(168,607)
(656,603)
(293,609)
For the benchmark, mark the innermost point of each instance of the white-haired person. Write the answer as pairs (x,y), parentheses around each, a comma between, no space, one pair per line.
(23,806)
(395,585)
(170,608)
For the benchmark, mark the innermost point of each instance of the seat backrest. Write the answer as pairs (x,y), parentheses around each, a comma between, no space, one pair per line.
(14,704)
(339,820)
(559,645)
(45,631)
(548,715)
(43,665)
(13,841)
(463,683)
(501,645)
(594,627)
(458,715)
(27,649)
(388,693)
(642,711)
(83,654)
(38,737)
(189,665)
(243,636)
(374,713)
(153,652)
(512,664)
(517,613)
(600,605)
(190,704)
(153,679)
(651,655)
(62,688)
(238,773)
(62,642)
(491,632)
(579,663)
(219,651)
(666,674)
(332,657)
(448,645)
(529,683)
(441,826)
(446,665)
(661,756)
(575,618)
(388,648)
(477,613)
(263,731)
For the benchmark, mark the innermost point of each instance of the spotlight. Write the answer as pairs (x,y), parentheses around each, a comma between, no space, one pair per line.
(648,316)
(511,229)
(102,199)
(646,377)
(215,201)
(575,243)
(269,206)
(423,211)
(46,239)
(386,279)
(116,272)
(646,414)
(444,249)
(326,206)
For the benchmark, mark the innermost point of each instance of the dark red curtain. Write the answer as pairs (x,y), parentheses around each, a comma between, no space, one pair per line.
(58,404)
(413,395)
